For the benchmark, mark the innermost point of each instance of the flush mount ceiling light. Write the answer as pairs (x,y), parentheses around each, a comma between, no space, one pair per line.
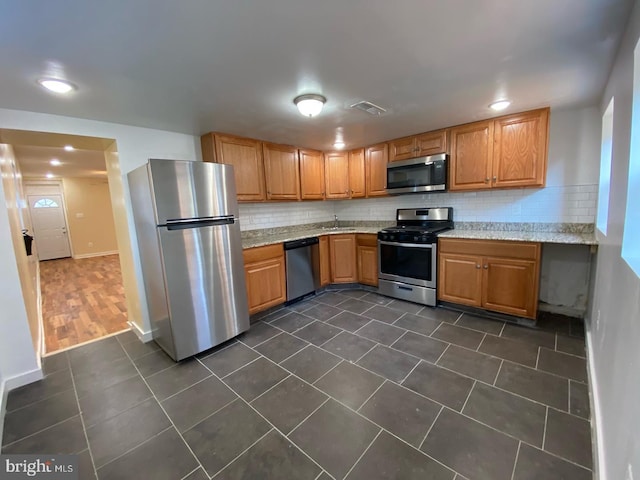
(56,85)
(310,104)
(499,105)
(55,162)
(339,145)
(49,175)
(69,148)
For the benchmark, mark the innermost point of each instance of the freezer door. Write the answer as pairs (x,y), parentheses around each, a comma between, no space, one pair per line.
(187,190)
(205,286)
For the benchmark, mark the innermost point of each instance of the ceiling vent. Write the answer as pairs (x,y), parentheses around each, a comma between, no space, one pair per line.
(369,107)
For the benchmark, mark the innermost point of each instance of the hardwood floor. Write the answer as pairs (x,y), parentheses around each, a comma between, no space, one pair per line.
(82,300)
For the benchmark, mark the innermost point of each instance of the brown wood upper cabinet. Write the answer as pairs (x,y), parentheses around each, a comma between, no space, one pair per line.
(429,143)
(245,154)
(336,166)
(345,174)
(376,159)
(282,173)
(312,175)
(509,151)
(357,173)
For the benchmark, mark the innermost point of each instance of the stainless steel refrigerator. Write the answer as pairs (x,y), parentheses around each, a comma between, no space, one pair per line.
(186,218)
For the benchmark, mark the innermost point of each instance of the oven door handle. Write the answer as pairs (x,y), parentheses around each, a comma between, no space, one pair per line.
(413,245)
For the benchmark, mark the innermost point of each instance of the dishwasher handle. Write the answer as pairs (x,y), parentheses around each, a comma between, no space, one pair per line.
(303,242)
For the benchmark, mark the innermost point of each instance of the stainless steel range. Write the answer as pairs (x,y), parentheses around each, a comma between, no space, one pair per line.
(407,254)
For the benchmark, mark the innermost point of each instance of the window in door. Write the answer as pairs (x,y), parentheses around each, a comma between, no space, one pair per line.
(45,203)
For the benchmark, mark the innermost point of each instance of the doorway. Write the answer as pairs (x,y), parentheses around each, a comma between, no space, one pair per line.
(67,207)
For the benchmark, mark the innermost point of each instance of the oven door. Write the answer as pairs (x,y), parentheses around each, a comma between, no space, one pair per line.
(410,263)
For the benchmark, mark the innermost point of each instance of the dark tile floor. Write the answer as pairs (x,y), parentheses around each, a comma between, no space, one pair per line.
(348,384)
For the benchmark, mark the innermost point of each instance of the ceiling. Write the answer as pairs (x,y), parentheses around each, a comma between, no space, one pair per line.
(235,66)
(35,150)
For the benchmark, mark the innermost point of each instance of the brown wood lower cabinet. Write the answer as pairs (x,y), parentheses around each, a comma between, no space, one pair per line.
(265,276)
(497,275)
(325,261)
(342,251)
(367,259)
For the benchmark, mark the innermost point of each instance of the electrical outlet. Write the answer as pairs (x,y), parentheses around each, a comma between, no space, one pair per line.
(598,320)
(629,472)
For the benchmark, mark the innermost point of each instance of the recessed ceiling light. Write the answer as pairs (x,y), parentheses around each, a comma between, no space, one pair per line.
(69,148)
(499,105)
(310,105)
(55,162)
(56,85)
(49,175)
(339,145)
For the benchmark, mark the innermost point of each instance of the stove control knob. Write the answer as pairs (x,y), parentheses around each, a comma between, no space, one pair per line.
(424,238)
(416,238)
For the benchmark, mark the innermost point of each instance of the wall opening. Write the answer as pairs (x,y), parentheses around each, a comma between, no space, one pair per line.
(606,145)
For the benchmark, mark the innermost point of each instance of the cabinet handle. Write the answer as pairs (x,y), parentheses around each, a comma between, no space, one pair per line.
(351,192)
(495,179)
(486,180)
(486,267)
(477,266)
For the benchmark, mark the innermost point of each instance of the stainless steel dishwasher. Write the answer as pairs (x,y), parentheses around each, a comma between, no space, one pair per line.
(303,267)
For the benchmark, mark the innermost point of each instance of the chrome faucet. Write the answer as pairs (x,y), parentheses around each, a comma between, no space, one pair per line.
(335,221)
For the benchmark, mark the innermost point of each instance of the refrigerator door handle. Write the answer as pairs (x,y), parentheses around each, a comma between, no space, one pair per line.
(199,222)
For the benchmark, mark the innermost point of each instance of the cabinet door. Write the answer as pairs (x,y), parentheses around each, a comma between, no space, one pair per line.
(336,166)
(311,175)
(367,258)
(342,251)
(245,154)
(357,173)
(376,170)
(460,279)
(431,143)
(520,149)
(510,286)
(281,172)
(471,156)
(266,284)
(402,149)
(325,261)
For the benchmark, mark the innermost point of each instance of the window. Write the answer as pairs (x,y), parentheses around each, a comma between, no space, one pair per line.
(605,169)
(45,203)
(631,236)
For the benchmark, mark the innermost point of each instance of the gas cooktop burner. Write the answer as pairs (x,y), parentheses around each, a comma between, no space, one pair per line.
(418,225)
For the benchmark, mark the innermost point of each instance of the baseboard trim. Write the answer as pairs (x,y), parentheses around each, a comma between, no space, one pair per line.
(142,335)
(97,254)
(11,383)
(561,310)
(23,379)
(596,417)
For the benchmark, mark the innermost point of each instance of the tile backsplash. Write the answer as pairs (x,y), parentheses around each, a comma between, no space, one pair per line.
(565,204)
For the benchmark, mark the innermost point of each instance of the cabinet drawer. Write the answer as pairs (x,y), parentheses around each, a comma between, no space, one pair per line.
(367,240)
(494,248)
(258,254)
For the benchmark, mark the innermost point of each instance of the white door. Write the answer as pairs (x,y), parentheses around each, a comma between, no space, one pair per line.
(49,226)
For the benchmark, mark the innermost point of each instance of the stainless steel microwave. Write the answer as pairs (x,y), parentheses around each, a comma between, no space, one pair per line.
(423,174)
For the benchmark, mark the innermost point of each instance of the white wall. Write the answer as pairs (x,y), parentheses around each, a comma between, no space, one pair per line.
(135,146)
(19,362)
(614,321)
(570,195)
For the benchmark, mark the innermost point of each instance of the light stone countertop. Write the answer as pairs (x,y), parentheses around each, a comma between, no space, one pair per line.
(524,236)
(567,233)
(270,239)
